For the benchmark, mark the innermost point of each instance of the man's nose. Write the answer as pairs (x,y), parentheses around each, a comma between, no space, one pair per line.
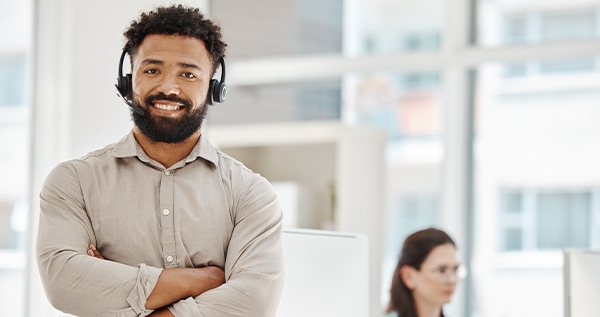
(168,85)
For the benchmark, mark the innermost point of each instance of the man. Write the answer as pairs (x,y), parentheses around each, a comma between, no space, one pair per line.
(162,223)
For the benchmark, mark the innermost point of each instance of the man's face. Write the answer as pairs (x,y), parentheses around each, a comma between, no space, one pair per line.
(171,75)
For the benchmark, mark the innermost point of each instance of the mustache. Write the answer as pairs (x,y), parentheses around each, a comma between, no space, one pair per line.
(150,99)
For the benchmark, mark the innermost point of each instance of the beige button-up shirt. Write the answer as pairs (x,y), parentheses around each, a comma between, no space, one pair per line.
(207,209)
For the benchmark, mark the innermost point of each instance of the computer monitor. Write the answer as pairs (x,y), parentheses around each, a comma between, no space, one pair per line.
(326,274)
(582,282)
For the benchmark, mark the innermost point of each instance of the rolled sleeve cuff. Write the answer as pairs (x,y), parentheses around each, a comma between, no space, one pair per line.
(185,308)
(146,280)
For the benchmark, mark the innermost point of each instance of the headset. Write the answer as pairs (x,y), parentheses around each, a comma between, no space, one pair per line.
(217,90)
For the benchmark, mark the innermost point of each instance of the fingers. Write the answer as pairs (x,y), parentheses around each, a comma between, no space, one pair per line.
(93,252)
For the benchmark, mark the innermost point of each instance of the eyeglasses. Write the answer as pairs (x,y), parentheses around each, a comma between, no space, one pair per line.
(445,273)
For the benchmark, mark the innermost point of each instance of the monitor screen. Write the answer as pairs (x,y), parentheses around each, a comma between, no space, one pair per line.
(582,282)
(326,274)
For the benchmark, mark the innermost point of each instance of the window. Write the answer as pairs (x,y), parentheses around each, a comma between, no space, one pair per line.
(406,106)
(422,41)
(549,220)
(580,65)
(12,81)
(15,27)
(568,25)
(563,220)
(393,26)
(516,29)
(277,28)
(537,23)
(300,101)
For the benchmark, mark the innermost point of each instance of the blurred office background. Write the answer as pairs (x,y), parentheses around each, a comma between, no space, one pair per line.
(484,111)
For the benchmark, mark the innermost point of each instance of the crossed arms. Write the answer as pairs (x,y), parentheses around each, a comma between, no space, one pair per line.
(176,284)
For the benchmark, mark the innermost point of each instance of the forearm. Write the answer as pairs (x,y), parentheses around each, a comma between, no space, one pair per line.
(82,286)
(162,312)
(175,284)
(179,283)
(249,294)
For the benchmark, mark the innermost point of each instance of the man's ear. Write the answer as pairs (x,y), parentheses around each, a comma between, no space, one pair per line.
(408,274)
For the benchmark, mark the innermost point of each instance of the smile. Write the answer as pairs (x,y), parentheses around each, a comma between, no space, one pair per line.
(162,106)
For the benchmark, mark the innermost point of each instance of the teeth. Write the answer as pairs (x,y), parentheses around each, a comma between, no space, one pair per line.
(166,107)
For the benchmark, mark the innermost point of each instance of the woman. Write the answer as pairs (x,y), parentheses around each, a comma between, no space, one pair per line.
(425,276)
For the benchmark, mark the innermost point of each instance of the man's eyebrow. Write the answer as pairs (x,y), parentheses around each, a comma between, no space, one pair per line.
(186,65)
(152,61)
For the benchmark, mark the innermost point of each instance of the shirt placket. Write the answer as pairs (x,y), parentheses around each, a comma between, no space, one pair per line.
(167,218)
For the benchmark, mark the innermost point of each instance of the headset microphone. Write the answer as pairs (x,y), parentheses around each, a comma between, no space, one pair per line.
(133,107)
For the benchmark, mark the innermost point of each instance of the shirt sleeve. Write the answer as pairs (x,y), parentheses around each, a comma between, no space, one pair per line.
(75,282)
(254,269)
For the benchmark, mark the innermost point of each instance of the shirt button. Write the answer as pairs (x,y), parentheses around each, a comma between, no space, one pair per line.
(167,172)
(166,212)
(169,259)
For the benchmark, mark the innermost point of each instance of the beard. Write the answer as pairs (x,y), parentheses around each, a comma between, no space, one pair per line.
(169,130)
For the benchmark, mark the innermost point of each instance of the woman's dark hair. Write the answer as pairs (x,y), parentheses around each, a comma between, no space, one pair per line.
(415,250)
(176,20)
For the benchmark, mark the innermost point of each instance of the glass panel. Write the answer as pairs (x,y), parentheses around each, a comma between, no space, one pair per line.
(563,220)
(580,24)
(393,26)
(279,27)
(513,239)
(416,212)
(536,181)
(407,106)
(319,100)
(512,202)
(16,29)
(12,80)
(508,22)
(350,27)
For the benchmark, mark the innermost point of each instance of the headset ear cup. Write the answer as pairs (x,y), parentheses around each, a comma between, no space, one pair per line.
(129,87)
(222,92)
(218,91)
(211,91)
(124,86)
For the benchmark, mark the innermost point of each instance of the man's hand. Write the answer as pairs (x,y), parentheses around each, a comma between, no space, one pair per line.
(178,283)
(93,252)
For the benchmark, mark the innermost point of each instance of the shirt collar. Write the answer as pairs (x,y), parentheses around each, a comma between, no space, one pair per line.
(204,149)
(129,147)
(126,147)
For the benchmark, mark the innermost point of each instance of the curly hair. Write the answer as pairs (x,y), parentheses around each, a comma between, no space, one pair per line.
(177,20)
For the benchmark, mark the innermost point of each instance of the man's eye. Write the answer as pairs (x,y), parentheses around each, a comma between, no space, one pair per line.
(189,75)
(152,71)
